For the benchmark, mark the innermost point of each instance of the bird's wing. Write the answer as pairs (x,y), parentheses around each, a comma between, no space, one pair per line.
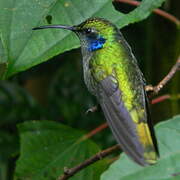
(133,137)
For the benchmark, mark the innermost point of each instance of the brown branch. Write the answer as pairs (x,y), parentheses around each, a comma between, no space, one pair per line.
(156,11)
(165,80)
(70,172)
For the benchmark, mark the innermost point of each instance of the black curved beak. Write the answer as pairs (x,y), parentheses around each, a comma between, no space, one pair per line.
(72,28)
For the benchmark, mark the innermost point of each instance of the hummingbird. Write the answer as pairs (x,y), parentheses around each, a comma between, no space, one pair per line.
(111,73)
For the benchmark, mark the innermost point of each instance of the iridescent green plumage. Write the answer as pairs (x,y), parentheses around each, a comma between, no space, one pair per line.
(112,75)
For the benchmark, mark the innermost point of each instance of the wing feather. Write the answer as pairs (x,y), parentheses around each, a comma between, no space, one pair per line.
(120,120)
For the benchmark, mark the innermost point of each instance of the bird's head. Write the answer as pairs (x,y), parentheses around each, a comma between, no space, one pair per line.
(93,33)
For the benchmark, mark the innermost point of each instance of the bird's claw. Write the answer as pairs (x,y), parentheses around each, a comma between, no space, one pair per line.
(149,88)
(91,110)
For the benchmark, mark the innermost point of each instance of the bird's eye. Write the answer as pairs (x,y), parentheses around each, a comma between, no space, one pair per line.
(88,30)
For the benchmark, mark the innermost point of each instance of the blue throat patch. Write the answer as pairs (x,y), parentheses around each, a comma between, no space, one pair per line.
(95,44)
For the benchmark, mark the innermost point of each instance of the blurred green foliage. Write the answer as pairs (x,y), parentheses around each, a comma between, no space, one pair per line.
(54,90)
(54,146)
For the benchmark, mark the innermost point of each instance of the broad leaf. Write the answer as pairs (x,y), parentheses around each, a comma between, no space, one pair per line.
(47,147)
(168,166)
(3,57)
(23,48)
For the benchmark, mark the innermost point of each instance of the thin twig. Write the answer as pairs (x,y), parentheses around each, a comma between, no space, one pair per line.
(160,99)
(166,79)
(160,12)
(96,130)
(70,172)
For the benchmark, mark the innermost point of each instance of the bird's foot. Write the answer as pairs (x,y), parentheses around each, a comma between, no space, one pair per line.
(149,88)
(92,109)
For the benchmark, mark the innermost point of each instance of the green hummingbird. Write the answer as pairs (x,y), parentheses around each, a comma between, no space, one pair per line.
(112,75)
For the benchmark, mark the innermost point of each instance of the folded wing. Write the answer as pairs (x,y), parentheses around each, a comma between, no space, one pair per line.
(131,136)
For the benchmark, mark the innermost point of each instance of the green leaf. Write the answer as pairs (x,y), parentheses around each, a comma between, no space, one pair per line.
(3,57)
(26,48)
(167,167)
(47,147)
